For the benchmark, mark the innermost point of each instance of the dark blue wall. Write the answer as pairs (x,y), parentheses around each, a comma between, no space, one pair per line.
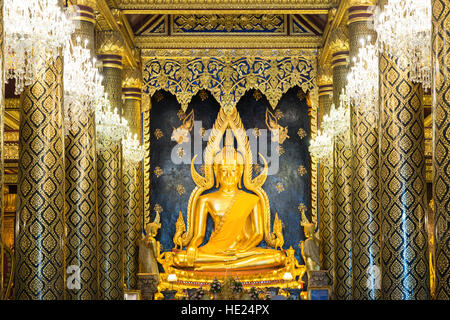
(252,111)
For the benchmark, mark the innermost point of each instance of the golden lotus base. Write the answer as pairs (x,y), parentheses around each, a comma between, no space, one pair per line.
(259,278)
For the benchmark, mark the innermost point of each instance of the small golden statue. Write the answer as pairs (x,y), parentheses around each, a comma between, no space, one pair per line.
(241,219)
(310,247)
(149,248)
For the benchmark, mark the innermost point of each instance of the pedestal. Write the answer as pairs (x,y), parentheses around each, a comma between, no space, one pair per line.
(148,285)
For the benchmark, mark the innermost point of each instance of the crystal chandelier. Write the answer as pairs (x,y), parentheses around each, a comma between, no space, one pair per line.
(404,32)
(133,152)
(35,30)
(337,122)
(322,146)
(362,80)
(82,83)
(110,127)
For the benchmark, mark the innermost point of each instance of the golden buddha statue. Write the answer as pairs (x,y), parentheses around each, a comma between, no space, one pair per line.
(241,219)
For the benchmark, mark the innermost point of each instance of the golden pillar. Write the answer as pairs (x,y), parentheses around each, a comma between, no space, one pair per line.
(109,177)
(366,272)
(39,272)
(404,250)
(2,114)
(81,182)
(132,179)
(342,177)
(326,215)
(441,148)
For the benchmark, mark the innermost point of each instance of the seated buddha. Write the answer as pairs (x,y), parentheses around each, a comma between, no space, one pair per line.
(238,223)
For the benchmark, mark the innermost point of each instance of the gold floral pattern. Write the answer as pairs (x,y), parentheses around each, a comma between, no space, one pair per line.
(158,172)
(301,133)
(279,114)
(158,134)
(203,95)
(280,188)
(203,170)
(280,150)
(257,95)
(181,114)
(181,190)
(180,152)
(302,170)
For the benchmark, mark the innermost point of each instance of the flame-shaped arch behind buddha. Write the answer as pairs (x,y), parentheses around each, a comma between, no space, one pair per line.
(233,122)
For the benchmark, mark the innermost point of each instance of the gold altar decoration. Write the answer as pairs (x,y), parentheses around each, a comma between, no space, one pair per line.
(229,250)
(279,133)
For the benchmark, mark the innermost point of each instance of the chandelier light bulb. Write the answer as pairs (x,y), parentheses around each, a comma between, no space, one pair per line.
(82,83)
(111,128)
(133,152)
(362,79)
(404,33)
(34,31)
(322,146)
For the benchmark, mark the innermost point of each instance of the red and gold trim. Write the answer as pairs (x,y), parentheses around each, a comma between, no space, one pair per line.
(360,14)
(84,13)
(132,93)
(111,60)
(325,89)
(339,58)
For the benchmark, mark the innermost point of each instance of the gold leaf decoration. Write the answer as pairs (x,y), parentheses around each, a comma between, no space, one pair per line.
(280,188)
(158,134)
(257,95)
(280,150)
(302,170)
(279,114)
(158,171)
(181,114)
(180,152)
(257,168)
(301,133)
(203,95)
(203,170)
(181,190)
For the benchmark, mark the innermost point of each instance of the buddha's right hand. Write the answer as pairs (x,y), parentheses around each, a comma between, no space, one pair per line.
(190,256)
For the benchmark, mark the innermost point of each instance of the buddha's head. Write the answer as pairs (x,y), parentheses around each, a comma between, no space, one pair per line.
(228,164)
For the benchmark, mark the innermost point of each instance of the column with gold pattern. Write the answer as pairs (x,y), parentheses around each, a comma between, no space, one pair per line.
(81,180)
(325,82)
(441,148)
(404,250)
(2,114)
(342,286)
(132,179)
(39,272)
(366,272)
(109,177)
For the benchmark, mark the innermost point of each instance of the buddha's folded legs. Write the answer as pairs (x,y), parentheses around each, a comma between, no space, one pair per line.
(263,258)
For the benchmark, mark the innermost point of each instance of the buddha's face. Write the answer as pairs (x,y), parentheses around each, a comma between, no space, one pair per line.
(228,175)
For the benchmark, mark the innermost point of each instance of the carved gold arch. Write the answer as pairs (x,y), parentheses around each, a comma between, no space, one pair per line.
(229,76)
